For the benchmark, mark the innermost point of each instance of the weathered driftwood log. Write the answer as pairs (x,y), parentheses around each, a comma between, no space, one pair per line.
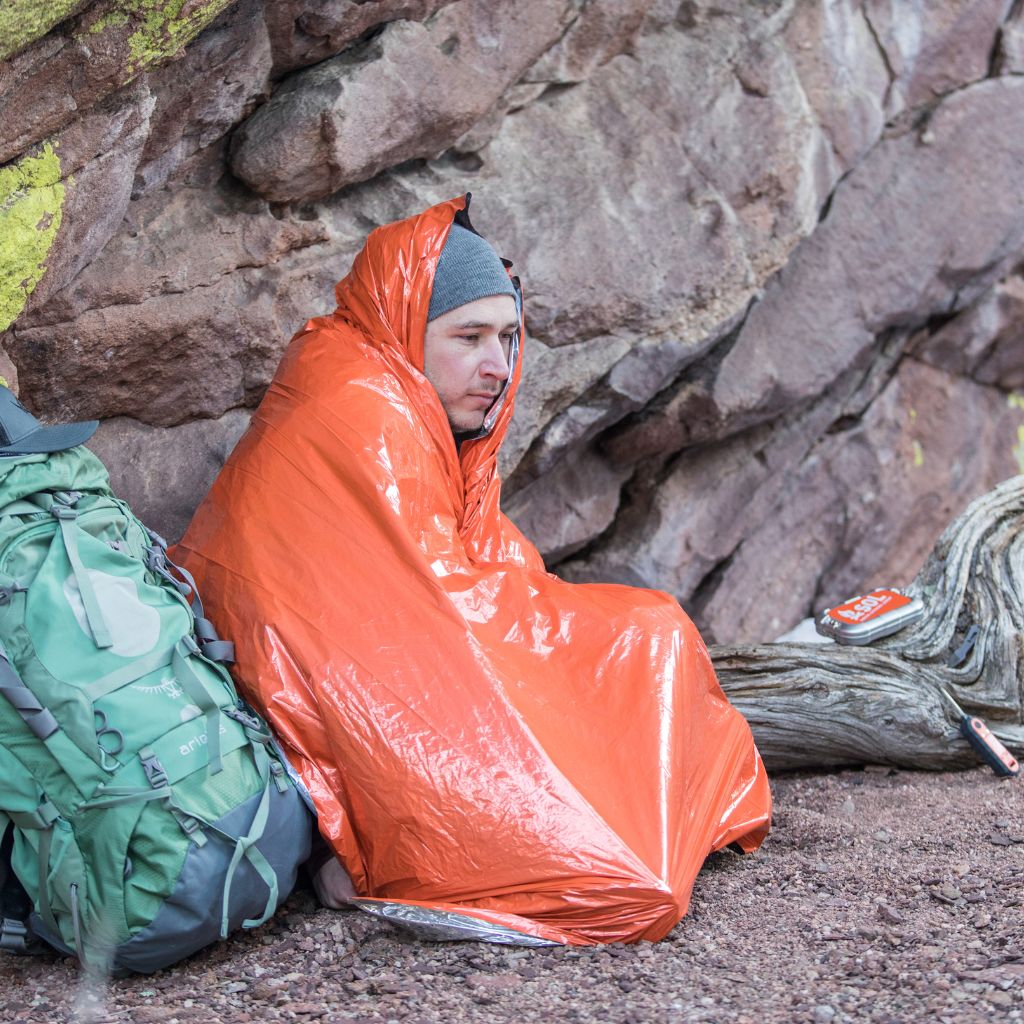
(813,705)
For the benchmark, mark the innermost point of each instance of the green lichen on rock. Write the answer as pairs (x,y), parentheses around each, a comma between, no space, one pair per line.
(24,21)
(166,26)
(151,30)
(112,18)
(31,202)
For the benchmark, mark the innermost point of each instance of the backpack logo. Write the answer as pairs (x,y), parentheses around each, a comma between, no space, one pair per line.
(168,687)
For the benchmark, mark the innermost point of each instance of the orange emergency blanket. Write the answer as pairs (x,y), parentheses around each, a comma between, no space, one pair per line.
(476,733)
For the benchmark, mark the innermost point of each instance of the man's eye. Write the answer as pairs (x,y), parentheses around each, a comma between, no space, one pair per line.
(470,337)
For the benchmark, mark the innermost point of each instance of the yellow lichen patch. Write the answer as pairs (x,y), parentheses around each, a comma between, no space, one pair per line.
(918,454)
(23,21)
(1018,448)
(31,202)
(1016,401)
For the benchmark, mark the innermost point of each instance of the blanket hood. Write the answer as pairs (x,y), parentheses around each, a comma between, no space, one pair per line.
(386,296)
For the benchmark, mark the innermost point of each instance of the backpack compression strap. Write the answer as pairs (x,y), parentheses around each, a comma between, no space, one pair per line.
(66,516)
(39,719)
(213,648)
(42,723)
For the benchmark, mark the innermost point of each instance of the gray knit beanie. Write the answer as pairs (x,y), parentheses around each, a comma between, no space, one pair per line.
(467,269)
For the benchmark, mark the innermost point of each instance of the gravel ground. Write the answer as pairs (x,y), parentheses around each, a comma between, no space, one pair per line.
(879,896)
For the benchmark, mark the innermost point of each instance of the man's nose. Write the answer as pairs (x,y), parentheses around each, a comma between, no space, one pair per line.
(495,362)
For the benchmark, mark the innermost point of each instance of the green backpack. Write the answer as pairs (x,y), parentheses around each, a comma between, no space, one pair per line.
(144,809)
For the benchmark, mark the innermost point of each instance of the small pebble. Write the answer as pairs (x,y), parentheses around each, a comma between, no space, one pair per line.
(889,915)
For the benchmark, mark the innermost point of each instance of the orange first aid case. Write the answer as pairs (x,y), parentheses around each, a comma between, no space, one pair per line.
(867,618)
(479,737)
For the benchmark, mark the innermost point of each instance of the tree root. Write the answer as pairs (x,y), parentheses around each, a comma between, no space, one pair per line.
(818,705)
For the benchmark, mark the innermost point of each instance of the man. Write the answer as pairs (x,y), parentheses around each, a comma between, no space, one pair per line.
(479,737)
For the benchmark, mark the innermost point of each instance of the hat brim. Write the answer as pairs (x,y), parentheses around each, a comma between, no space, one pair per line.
(52,439)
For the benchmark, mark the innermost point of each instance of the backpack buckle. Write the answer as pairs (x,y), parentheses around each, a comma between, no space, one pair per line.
(17,937)
(245,718)
(279,775)
(190,645)
(189,825)
(156,538)
(6,593)
(63,512)
(156,776)
(14,935)
(155,560)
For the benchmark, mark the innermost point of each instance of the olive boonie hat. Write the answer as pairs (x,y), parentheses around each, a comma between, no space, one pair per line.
(22,434)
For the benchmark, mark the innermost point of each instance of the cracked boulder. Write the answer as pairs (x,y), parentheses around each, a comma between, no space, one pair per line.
(859,275)
(218,80)
(844,76)
(939,48)
(600,32)
(771,254)
(986,340)
(407,93)
(1010,52)
(62,201)
(176,319)
(565,510)
(753,533)
(164,474)
(306,32)
(862,510)
(65,73)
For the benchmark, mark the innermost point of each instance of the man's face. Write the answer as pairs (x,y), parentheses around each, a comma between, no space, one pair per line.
(466,352)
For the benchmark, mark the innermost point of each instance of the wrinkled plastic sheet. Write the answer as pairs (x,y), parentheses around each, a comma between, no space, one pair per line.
(435,925)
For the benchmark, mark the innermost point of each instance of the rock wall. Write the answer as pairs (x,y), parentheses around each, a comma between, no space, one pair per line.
(773,254)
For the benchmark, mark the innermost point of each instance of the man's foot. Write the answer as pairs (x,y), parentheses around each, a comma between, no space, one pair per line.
(332,885)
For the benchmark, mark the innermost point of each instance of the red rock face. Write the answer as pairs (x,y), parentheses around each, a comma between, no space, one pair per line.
(771,258)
